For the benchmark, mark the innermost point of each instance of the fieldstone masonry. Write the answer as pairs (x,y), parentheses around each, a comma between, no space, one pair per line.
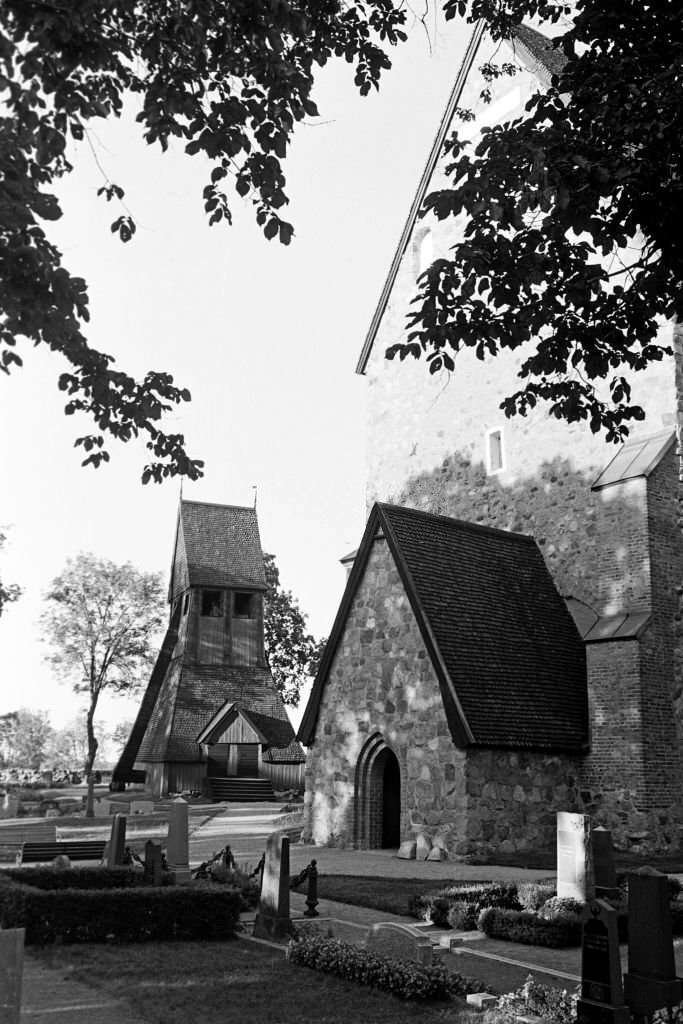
(382,692)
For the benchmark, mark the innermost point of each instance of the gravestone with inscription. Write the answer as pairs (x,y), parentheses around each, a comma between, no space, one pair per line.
(650,983)
(604,866)
(272,918)
(602,995)
(11,973)
(117,842)
(400,942)
(574,872)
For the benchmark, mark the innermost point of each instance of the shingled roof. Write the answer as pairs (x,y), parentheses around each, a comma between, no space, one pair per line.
(544,60)
(508,657)
(217,546)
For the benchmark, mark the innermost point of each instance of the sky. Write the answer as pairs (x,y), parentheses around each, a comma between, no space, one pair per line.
(266,338)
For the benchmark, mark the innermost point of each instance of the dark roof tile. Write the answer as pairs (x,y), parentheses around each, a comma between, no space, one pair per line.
(221,546)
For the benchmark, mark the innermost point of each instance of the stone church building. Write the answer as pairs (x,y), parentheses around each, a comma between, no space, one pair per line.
(211,719)
(510,640)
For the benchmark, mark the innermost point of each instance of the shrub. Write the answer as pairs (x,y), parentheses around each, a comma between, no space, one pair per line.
(528,928)
(560,906)
(401,977)
(537,999)
(463,916)
(249,888)
(133,914)
(532,895)
(48,877)
(436,906)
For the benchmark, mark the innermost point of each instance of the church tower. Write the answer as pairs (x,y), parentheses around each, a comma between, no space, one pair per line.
(211,720)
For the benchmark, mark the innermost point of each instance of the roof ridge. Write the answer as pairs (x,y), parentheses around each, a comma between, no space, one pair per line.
(216,504)
(462,523)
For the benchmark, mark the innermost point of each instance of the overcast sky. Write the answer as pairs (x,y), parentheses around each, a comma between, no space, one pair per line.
(265,337)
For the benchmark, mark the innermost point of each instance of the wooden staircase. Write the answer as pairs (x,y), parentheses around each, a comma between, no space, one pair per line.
(241,790)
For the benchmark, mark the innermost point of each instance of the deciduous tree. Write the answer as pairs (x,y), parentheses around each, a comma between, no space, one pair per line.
(570,250)
(24,738)
(292,652)
(8,591)
(101,622)
(227,80)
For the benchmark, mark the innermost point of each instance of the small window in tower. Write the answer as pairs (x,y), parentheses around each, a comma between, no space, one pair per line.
(495,461)
(186,604)
(244,606)
(212,604)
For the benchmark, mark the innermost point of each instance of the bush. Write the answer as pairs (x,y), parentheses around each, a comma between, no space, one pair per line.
(436,906)
(532,895)
(249,888)
(463,916)
(528,928)
(48,877)
(403,978)
(539,1000)
(133,914)
(560,906)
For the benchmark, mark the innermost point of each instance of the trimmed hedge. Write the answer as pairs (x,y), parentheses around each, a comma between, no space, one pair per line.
(403,978)
(134,914)
(48,877)
(526,927)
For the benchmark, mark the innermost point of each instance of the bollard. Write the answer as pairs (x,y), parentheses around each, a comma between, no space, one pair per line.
(312,895)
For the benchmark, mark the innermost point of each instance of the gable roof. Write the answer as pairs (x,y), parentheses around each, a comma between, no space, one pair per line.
(543,60)
(510,663)
(217,546)
(639,456)
(272,732)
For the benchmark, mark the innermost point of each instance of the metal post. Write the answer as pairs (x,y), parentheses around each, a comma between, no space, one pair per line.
(312,895)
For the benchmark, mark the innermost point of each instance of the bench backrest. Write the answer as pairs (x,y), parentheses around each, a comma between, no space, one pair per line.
(39,831)
(83,849)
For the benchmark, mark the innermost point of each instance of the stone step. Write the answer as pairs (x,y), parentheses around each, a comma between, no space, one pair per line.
(241,790)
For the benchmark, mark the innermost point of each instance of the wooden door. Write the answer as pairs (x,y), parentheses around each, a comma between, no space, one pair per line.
(247,760)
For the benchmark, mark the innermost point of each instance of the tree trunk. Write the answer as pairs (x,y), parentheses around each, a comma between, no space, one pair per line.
(90,760)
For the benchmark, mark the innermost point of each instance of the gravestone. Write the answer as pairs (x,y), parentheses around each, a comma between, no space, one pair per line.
(399,941)
(602,996)
(406,850)
(153,867)
(10,806)
(114,854)
(574,875)
(178,855)
(650,983)
(272,918)
(11,971)
(604,867)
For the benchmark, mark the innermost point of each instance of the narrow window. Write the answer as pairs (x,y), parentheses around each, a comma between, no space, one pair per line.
(186,604)
(495,461)
(244,606)
(212,604)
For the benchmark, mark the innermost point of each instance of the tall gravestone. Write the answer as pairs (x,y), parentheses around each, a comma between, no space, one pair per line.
(117,841)
(602,995)
(604,865)
(574,871)
(153,868)
(179,841)
(650,983)
(11,973)
(272,918)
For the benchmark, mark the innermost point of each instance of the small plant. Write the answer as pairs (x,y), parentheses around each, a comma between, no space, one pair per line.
(532,895)
(535,998)
(560,906)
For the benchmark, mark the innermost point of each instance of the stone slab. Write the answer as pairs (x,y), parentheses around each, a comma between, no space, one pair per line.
(574,864)
(400,942)
(481,1000)
(407,850)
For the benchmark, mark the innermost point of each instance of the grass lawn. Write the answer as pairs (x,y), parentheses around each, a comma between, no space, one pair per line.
(392,895)
(234,982)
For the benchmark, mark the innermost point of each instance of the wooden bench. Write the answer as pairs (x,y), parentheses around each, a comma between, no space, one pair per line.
(12,837)
(74,849)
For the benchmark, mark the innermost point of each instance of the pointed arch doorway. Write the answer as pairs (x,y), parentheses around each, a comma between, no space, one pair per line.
(378,797)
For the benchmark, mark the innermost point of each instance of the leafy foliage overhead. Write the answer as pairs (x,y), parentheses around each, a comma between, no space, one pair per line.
(292,652)
(8,591)
(229,79)
(572,212)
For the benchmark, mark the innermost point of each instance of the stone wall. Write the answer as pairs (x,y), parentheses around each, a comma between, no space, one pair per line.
(381,681)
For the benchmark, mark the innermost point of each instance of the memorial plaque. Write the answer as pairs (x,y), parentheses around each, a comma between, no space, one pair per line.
(152,863)
(604,867)
(272,918)
(574,875)
(650,983)
(179,841)
(115,849)
(602,997)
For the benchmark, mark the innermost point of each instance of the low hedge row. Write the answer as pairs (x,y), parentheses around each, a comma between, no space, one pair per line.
(459,905)
(529,928)
(48,877)
(133,914)
(401,977)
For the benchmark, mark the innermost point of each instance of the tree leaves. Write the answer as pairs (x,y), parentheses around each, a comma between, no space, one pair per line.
(292,653)
(230,81)
(570,246)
